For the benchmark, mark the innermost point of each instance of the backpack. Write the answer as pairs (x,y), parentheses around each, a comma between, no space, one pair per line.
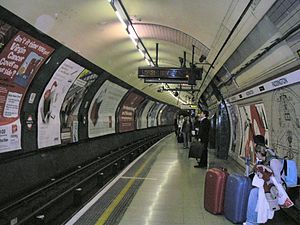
(290,172)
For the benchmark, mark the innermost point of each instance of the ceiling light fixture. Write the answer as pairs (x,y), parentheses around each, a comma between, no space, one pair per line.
(124,18)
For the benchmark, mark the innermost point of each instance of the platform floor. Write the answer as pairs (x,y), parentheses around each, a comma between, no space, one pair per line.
(174,194)
(161,188)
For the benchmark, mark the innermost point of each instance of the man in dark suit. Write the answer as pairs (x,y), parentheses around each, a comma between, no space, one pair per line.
(203,136)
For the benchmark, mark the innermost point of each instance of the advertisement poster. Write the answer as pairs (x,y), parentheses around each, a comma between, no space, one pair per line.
(144,115)
(127,112)
(138,113)
(160,119)
(285,119)
(20,58)
(71,105)
(167,116)
(232,112)
(49,127)
(103,108)
(253,122)
(152,115)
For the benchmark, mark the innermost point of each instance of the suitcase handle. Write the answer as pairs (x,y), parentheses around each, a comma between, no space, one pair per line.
(223,169)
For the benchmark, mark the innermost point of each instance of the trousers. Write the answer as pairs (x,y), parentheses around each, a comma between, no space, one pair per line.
(251,213)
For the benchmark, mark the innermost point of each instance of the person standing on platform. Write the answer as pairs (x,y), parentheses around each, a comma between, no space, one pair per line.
(176,126)
(197,125)
(203,137)
(186,131)
(180,123)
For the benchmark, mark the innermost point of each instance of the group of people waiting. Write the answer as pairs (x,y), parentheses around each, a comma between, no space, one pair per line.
(196,128)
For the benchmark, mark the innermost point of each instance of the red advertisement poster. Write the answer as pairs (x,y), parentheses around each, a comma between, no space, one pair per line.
(20,59)
(127,112)
(254,122)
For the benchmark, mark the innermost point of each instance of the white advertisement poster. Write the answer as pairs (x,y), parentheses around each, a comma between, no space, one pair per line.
(152,116)
(143,123)
(51,102)
(160,118)
(12,104)
(71,104)
(103,108)
(285,119)
(10,136)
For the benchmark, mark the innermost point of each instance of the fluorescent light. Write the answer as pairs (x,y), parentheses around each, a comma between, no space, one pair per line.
(142,53)
(132,35)
(132,32)
(121,19)
(147,61)
(126,22)
(133,39)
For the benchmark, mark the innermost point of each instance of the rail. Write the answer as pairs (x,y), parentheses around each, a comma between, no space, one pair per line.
(78,178)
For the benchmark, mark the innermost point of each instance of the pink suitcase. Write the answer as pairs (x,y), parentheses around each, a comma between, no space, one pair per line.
(214,190)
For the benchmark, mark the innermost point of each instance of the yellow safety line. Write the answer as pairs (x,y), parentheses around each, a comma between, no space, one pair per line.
(104,217)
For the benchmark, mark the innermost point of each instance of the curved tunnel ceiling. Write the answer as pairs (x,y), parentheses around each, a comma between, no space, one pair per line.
(91,28)
(163,33)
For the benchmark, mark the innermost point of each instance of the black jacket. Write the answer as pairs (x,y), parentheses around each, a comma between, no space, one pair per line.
(203,133)
(186,127)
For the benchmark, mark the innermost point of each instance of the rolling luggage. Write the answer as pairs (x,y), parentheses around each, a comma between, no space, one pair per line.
(214,190)
(196,150)
(236,198)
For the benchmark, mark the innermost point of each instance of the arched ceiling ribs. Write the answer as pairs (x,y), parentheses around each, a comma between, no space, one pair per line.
(168,34)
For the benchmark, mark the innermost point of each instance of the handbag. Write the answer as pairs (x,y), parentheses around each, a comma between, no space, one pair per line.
(196,150)
(180,138)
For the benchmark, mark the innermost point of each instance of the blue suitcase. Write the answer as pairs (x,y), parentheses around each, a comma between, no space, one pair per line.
(236,197)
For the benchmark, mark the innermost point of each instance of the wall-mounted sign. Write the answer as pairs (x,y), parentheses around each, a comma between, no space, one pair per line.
(21,56)
(291,78)
(31,98)
(188,106)
(29,122)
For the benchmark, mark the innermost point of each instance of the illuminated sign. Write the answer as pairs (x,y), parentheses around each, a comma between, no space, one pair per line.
(188,106)
(170,74)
